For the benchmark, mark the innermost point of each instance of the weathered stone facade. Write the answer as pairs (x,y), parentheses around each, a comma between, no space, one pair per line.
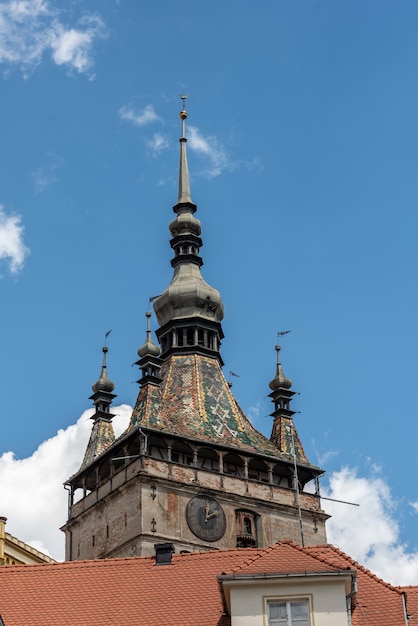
(145,501)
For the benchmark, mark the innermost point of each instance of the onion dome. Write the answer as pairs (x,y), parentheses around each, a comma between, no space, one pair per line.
(280,380)
(185,223)
(149,348)
(103,384)
(188,295)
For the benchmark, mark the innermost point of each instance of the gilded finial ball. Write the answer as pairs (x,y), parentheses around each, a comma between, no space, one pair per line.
(183,114)
(148,314)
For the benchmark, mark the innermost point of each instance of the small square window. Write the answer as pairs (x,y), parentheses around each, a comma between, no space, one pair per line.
(288,613)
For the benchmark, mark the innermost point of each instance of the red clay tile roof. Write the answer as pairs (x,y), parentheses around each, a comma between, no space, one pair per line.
(285,557)
(376,603)
(411,593)
(125,592)
(134,591)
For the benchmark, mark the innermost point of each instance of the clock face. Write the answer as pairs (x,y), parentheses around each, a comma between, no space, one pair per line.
(206,518)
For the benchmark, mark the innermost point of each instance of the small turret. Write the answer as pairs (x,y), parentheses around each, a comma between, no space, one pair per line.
(149,361)
(102,434)
(283,434)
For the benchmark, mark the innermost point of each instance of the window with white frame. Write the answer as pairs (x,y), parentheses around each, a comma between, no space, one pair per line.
(288,613)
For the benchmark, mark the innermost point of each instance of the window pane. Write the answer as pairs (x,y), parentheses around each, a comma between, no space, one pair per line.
(299,609)
(277,610)
(300,613)
(277,614)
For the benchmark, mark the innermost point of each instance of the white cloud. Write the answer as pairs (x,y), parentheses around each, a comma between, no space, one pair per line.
(414,506)
(216,154)
(12,247)
(157,144)
(369,533)
(45,176)
(323,458)
(31,28)
(32,495)
(212,149)
(138,118)
(73,47)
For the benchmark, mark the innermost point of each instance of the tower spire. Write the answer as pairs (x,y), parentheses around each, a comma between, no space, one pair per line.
(189,311)
(184,181)
(102,434)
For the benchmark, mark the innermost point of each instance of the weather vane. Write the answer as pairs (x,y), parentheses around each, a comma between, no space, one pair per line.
(184,98)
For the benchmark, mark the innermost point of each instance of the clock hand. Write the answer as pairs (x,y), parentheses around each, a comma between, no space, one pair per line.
(212,514)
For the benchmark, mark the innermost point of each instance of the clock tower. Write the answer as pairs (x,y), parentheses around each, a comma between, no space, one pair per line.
(190,469)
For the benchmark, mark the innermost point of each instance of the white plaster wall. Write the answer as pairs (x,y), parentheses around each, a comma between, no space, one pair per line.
(327,599)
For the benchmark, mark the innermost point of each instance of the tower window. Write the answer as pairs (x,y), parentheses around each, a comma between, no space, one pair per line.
(246,529)
(258,470)
(182,453)
(233,465)
(208,459)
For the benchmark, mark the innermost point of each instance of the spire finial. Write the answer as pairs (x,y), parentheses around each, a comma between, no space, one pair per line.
(184,182)
(149,348)
(280,380)
(103,387)
(107,335)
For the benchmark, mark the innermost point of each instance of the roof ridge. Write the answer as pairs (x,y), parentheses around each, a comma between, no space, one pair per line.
(214,551)
(78,562)
(27,546)
(326,559)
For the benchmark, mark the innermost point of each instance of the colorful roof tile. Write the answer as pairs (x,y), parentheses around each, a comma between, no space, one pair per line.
(101,438)
(194,400)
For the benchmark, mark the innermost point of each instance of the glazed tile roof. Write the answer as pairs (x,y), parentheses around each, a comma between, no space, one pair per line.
(102,436)
(187,592)
(195,400)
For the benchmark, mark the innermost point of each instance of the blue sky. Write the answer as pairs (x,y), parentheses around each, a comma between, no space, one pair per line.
(303,159)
